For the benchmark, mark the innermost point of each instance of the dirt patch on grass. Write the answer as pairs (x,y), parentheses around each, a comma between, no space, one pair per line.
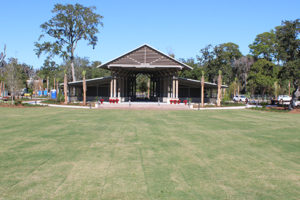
(277,108)
(7,105)
(11,106)
(295,111)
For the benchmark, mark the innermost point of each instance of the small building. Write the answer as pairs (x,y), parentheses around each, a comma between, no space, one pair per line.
(162,72)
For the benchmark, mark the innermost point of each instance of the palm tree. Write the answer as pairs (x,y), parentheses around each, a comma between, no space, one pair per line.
(202,90)
(219,88)
(66,88)
(84,87)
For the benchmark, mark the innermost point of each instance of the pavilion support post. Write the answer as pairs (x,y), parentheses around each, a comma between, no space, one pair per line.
(165,90)
(148,86)
(119,87)
(202,90)
(134,82)
(176,94)
(97,90)
(161,88)
(173,85)
(219,89)
(125,85)
(115,87)
(111,87)
(169,87)
(84,88)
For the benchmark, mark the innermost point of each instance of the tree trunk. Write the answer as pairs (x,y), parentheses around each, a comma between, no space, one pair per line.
(47,85)
(289,88)
(1,89)
(73,69)
(84,90)
(54,84)
(202,91)
(56,88)
(295,96)
(12,96)
(66,89)
(219,90)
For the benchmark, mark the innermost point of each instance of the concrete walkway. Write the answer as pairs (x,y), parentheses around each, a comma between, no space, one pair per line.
(54,105)
(143,106)
(228,108)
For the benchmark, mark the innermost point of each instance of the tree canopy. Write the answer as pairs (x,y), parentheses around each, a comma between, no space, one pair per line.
(262,76)
(287,36)
(219,57)
(70,24)
(264,46)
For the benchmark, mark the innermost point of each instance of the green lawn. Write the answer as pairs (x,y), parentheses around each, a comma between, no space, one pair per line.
(51,153)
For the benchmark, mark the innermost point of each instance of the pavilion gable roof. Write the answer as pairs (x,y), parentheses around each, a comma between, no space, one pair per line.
(145,56)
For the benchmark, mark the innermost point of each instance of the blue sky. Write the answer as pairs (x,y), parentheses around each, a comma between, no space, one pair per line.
(179,26)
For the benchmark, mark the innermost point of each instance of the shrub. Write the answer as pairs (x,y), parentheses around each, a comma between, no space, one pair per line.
(60,97)
(264,104)
(18,102)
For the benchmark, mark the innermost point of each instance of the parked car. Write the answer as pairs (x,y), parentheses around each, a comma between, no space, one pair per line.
(239,98)
(284,98)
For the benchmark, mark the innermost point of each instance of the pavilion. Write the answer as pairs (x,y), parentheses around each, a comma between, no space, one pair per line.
(162,72)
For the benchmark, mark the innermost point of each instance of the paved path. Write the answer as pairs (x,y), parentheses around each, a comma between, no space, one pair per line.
(143,106)
(227,108)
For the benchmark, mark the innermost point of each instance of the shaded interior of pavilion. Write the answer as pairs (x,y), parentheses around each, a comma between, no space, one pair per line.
(100,88)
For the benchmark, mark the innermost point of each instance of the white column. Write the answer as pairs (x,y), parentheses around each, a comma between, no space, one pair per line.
(169,87)
(115,87)
(111,87)
(119,87)
(174,87)
(176,96)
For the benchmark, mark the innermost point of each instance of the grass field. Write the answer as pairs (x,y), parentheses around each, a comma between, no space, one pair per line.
(49,153)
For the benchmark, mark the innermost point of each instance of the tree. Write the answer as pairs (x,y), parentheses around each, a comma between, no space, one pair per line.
(91,68)
(195,73)
(218,58)
(287,36)
(13,77)
(264,46)
(96,72)
(2,64)
(141,82)
(70,24)
(288,39)
(291,72)
(2,57)
(49,70)
(241,69)
(262,76)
